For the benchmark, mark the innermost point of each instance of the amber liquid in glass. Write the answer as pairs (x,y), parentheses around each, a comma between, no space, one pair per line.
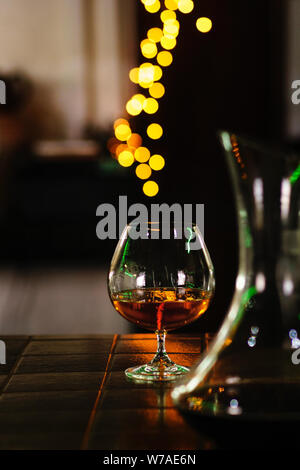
(161,308)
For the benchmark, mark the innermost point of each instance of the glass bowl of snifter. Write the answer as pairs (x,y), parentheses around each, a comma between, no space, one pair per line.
(161,278)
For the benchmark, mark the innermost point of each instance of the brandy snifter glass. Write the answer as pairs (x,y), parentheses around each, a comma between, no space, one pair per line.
(161,281)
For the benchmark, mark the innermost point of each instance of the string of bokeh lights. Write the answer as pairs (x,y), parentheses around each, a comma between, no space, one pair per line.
(127,146)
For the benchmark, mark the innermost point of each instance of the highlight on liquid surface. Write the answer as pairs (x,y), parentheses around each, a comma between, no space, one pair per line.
(161,308)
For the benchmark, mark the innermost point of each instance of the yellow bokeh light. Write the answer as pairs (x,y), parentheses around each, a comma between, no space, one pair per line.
(167,15)
(149,2)
(164,58)
(155,34)
(157,162)
(148,48)
(134,107)
(146,68)
(121,148)
(134,75)
(171,28)
(185,6)
(204,24)
(170,36)
(122,132)
(155,7)
(157,73)
(157,90)
(135,141)
(126,158)
(168,43)
(146,75)
(142,154)
(143,171)
(150,188)
(154,131)
(141,98)
(150,106)
(145,84)
(120,121)
(171,4)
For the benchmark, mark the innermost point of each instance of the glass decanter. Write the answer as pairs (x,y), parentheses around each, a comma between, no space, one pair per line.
(251,370)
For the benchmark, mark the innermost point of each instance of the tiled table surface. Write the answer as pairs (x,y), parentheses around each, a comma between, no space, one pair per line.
(71,393)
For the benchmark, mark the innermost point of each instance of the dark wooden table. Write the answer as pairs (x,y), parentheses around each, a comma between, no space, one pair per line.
(71,393)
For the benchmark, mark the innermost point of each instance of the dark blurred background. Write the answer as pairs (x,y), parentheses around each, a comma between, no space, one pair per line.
(66,69)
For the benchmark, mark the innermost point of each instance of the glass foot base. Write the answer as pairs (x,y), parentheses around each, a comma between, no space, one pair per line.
(154,373)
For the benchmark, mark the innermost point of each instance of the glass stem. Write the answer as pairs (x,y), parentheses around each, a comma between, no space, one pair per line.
(161,343)
(161,357)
